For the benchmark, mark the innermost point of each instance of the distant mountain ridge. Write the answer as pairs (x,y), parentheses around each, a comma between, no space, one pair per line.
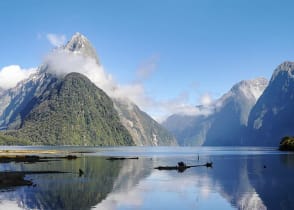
(252,113)
(228,119)
(229,122)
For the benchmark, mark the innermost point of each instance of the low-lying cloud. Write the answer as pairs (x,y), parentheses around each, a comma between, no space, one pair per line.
(11,75)
(206,99)
(62,62)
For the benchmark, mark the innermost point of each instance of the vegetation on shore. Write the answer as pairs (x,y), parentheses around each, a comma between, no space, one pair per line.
(10,140)
(287,143)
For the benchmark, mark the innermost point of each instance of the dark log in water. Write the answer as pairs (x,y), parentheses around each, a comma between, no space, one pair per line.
(122,158)
(33,158)
(182,166)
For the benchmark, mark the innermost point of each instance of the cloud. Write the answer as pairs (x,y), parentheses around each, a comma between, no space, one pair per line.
(56,40)
(11,75)
(146,69)
(206,99)
(62,62)
(181,105)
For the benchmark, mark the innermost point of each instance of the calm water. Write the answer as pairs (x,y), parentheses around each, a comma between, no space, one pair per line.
(241,178)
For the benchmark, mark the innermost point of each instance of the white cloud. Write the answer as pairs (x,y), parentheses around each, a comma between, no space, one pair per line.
(11,75)
(206,99)
(62,62)
(56,40)
(180,105)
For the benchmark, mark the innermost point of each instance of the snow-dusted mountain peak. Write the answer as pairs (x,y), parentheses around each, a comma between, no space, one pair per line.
(79,44)
(249,88)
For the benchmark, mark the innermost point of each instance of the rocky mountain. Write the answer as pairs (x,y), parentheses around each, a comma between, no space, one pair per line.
(228,118)
(143,129)
(21,106)
(14,101)
(189,130)
(72,111)
(79,44)
(272,116)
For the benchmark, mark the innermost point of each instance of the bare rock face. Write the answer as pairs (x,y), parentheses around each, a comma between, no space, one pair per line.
(272,116)
(79,44)
(143,129)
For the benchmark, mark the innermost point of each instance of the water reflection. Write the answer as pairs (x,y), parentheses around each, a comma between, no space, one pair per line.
(66,191)
(244,181)
(275,183)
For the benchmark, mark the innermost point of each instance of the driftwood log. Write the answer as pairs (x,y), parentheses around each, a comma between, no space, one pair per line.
(122,158)
(182,166)
(33,158)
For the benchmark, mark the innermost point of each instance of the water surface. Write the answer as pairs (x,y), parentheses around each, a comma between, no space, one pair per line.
(241,178)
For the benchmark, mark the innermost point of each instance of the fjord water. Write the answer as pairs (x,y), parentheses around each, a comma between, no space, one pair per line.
(241,178)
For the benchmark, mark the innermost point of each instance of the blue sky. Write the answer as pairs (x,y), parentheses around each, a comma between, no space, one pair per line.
(190,49)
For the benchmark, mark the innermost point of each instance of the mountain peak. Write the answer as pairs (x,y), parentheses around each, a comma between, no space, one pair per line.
(286,67)
(79,44)
(251,88)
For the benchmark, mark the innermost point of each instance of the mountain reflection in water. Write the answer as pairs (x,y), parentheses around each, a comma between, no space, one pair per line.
(240,179)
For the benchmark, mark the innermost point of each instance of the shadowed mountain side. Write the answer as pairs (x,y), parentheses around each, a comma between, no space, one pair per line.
(16,102)
(143,129)
(272,116)
(188,130)
(73,111)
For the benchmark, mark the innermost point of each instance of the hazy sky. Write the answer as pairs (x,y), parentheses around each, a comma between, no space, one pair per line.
(180,52)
